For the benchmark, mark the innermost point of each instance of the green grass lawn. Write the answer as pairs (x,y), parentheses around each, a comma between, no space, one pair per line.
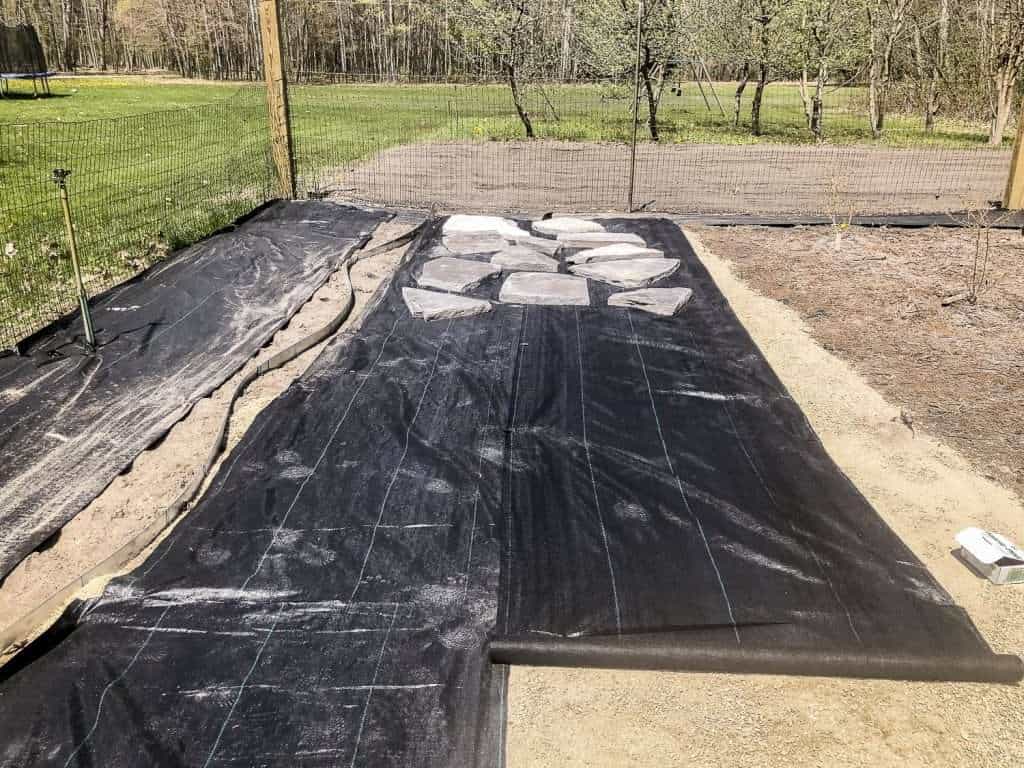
(158,163)
(154,167)
(93,97)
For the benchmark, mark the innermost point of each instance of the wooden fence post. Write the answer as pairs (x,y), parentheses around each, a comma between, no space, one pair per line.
(1013,200)
(277,98)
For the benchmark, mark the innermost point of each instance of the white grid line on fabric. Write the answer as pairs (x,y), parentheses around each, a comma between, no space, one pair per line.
(679,485)
(373,683)
(109,686)
(320,458)
(771,496)
(401,461)
(593,479)
(511,437)
(480,464)
(149,637)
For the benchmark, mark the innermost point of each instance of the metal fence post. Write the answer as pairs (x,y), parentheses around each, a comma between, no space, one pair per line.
(277,98)
(60,178)
(636,104)
(1013,200)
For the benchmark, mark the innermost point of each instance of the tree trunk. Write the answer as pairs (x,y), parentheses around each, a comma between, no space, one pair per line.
(1003,89)
(565,58)
(876,108)
(524,116)
(69,53)
(817,109)
(255,63)
(806,98)
(447,43)
(652,101)
(105,34)
(938,67)
(755,106)
(744,79)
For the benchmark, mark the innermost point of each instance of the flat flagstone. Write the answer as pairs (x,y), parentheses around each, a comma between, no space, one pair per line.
(658,301)
(519,258)
(565,225)
(431,305)
(614,252)
(544,288)
(472,243)
(597,239)
(450,274)
(542,244)
(635,273)
(465,224)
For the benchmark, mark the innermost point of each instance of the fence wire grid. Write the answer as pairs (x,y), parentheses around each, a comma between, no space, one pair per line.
(146,184)
(140,186)
(464,146)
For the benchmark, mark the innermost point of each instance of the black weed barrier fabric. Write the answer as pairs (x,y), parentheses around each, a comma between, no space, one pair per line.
(536,484)
(70,422)
(668,504)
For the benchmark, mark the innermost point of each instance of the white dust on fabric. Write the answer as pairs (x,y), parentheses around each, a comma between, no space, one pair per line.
(439,485)
(763,560)
(217,595)
(716,396)
(631,511)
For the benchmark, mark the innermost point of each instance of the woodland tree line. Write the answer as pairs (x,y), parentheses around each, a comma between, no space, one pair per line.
(946,57)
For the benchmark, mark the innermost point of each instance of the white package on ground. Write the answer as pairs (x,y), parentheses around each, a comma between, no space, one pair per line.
(993,556)
(635,273)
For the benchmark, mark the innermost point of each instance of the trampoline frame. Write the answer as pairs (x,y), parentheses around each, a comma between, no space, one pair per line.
(37,78)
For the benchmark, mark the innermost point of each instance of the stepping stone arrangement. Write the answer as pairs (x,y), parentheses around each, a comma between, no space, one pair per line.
(464,245)
(596,239)
(520,258)
(565,226)
(621,259)
(545,288)
(431,305)
(456,275)
(658,301)
(463,224)
(615,252)
(631,273)
(543,244)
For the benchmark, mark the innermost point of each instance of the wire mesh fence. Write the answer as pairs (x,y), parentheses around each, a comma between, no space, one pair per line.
(143,185)
(140,186)
(463,146)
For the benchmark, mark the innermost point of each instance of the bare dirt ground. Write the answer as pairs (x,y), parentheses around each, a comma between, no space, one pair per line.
(875,299)
(137,497)
(697,178)
(924,489)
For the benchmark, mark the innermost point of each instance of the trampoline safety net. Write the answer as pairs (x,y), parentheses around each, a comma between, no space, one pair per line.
(21,53)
